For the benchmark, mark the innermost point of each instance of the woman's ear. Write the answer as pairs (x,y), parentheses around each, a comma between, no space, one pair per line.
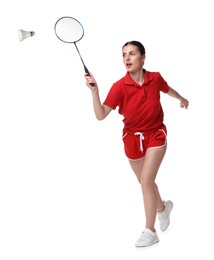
(143,59)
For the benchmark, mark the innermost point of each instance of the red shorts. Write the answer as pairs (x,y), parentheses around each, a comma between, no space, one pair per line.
(136,144)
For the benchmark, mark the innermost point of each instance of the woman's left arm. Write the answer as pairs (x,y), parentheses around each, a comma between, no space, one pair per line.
(184,103)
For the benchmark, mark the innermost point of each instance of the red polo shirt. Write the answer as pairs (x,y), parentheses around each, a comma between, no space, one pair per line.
(139,105)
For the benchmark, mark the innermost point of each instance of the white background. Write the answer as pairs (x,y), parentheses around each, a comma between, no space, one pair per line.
(66,188)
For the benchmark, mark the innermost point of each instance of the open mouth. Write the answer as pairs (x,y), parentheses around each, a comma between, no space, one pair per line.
(128,65)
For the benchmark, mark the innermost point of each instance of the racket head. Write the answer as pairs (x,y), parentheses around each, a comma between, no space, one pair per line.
(68,29)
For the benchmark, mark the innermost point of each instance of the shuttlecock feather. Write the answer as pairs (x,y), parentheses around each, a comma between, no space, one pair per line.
(25,34)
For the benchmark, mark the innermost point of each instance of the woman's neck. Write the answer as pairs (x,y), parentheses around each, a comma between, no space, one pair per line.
(138,77)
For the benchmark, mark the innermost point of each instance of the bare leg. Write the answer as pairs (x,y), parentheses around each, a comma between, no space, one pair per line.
(137,167)
(146,170)
(160,204)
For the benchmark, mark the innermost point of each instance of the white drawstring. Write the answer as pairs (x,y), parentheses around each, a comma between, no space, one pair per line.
(141,140)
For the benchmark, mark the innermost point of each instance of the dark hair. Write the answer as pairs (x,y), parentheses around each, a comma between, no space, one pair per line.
(138,44)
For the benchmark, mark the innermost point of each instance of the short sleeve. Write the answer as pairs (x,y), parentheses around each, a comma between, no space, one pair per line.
(113,97)
(164,87)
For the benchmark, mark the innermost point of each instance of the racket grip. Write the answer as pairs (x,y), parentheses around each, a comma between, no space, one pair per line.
(88,74)
(92,83)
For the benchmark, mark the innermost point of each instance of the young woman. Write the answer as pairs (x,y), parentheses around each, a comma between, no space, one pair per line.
(137,95)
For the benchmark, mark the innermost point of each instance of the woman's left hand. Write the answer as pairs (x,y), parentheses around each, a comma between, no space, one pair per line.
(184,103)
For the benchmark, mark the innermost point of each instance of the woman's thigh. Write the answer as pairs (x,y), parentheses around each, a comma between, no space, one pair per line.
(152,162)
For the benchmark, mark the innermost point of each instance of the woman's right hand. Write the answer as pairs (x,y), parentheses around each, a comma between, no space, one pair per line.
(91,82)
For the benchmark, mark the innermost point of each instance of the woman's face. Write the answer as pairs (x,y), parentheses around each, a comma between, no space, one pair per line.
(132,58)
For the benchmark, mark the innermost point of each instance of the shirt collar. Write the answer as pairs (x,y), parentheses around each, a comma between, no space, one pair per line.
(147,78)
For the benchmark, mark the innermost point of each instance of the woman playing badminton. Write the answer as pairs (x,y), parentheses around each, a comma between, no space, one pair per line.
(137,95)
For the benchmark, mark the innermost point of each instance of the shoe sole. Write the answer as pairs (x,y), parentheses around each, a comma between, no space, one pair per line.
(155,242)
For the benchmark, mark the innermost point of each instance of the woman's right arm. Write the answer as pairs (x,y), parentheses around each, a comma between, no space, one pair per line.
(100,110)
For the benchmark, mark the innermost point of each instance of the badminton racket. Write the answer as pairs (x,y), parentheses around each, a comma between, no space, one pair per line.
(70,30)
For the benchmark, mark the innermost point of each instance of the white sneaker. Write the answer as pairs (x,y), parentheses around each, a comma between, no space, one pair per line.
(147,238)
(164,217)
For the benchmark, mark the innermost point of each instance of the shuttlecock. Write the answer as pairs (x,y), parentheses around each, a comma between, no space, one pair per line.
(25,34)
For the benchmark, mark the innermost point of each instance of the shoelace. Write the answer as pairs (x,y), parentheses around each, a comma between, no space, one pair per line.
(145,235)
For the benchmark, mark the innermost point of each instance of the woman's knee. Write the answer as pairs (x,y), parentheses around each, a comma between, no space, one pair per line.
(147,183)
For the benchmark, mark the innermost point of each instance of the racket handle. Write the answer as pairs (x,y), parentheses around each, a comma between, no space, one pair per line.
(88,74)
